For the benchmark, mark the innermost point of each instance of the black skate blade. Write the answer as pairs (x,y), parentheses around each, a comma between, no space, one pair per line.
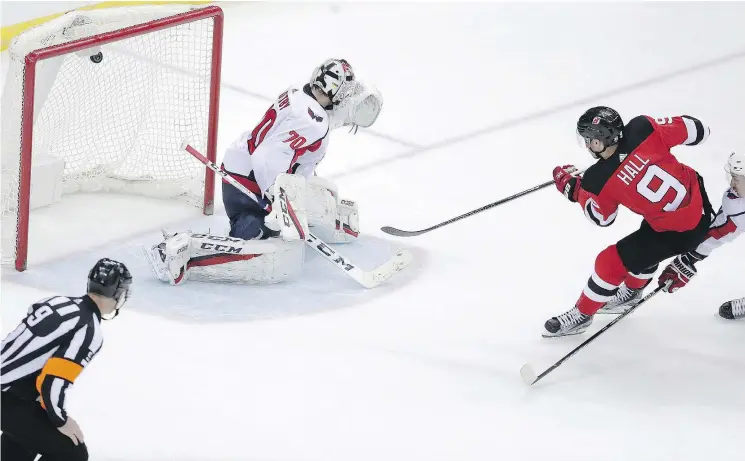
(528,375)
(544,335)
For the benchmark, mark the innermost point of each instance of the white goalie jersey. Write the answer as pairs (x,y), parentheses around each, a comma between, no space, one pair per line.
(729,223)
(291,138)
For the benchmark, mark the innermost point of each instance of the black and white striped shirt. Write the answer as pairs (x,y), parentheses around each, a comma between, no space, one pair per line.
(44,355)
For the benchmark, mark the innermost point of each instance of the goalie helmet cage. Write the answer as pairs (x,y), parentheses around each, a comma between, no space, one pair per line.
(117,119)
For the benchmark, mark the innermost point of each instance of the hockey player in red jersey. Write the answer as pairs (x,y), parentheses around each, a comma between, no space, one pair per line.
(727,226)
(635,169)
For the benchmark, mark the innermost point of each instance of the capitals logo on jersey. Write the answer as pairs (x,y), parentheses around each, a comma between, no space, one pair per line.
(315,117)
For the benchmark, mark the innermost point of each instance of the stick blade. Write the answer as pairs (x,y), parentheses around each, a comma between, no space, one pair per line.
(401,233)
(528,374)
(388,269)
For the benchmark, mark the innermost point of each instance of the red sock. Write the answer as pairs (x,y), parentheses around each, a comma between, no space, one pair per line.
(640,280)
(603,283)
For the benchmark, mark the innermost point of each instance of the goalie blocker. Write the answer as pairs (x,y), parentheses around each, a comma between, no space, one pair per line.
(298,206)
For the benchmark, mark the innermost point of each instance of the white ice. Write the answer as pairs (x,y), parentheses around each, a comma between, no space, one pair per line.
(480,103)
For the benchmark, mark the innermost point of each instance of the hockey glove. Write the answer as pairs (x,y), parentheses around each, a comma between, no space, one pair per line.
(679,272)
(567,181)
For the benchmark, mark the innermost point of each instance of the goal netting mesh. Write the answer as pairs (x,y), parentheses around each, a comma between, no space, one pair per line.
(117,124)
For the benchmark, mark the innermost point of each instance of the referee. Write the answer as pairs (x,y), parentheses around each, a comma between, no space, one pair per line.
(41,359)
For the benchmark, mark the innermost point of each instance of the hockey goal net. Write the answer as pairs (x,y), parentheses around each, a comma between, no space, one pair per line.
(109,96)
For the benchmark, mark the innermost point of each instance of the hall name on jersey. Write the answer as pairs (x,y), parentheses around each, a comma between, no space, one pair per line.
(631,169)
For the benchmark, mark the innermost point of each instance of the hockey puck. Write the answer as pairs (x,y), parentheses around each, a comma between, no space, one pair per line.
(97,58)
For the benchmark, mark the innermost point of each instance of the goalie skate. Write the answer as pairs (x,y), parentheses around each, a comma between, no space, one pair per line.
(168,259)
(156,259)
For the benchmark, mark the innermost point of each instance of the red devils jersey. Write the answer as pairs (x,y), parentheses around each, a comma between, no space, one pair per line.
(645,177)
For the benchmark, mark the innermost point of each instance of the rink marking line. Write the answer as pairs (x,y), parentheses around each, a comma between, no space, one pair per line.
(543,113)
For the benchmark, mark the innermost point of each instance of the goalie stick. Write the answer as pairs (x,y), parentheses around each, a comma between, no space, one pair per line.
(404,233)
(368,279)
(529,376)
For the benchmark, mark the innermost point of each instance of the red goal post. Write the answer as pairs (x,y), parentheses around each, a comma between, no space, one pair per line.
(116,123)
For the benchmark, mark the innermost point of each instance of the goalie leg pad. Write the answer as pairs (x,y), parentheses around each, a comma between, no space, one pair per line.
(333,220)
(215,258)
(229,260)
(288,215)
(321,203)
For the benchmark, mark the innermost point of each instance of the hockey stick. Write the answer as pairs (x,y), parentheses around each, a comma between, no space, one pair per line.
(368,279)
(529,376)
(405,233)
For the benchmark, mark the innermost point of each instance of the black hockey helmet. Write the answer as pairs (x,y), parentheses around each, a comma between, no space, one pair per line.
(110,279)
(603,124)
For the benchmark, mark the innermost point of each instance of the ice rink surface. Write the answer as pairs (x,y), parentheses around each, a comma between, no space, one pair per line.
(481,102)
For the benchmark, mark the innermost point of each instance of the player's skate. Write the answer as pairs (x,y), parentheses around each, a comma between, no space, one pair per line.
(732,310)
(625,299)
(572,322)
(168,259)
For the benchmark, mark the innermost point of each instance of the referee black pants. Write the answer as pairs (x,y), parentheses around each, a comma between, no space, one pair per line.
(28,432)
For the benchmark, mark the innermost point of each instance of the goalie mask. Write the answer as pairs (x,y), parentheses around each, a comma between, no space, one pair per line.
(353,103)
(331,78)
(735,169)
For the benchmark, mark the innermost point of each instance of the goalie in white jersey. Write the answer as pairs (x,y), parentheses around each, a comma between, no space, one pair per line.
(728,224)
(283,150)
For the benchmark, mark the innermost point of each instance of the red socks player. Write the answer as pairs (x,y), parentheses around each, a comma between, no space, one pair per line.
(635,169)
